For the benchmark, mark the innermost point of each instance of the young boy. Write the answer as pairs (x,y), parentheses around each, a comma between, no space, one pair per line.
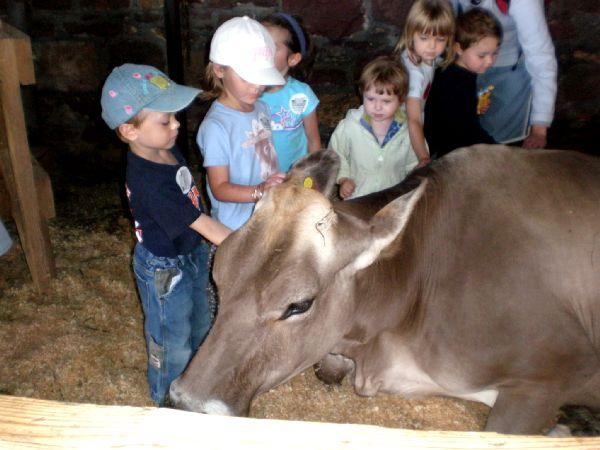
(451,113)
(373,141)
(170,257)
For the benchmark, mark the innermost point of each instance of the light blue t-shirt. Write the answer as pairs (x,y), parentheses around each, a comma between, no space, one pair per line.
(241,141)
(289,106)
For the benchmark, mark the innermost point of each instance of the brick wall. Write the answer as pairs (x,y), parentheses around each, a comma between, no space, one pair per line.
(77,42)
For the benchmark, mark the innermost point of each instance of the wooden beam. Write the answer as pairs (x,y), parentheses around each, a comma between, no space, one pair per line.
(22,49)
(27,423)
(15,158)
(43,187)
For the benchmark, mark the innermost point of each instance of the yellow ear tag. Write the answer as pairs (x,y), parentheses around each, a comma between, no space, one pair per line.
(308,183)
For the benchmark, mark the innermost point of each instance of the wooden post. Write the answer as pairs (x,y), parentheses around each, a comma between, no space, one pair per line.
(16,68)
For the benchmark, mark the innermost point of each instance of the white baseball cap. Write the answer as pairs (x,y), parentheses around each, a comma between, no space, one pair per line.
(247,47)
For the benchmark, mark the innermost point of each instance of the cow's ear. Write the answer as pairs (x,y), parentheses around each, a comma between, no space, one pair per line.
(388,224)
(316,171)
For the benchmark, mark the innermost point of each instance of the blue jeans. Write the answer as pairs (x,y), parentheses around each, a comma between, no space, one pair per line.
(177,317)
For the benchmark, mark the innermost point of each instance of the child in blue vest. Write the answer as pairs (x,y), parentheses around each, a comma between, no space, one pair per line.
(294,105)
(170,257)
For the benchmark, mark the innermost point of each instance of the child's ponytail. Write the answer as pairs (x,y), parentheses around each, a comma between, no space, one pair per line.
(212,85)
(300,41)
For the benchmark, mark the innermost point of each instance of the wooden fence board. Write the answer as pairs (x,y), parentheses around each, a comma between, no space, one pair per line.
(42,424)
(22,52)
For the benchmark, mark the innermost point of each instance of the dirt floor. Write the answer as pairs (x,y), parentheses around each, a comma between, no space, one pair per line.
(83,342)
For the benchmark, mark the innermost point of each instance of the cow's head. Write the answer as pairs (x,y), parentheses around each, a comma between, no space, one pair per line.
(285,283)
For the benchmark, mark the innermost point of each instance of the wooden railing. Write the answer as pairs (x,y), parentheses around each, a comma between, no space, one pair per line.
(27,423)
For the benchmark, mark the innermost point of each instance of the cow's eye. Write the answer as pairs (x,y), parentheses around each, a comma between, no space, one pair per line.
(297,308)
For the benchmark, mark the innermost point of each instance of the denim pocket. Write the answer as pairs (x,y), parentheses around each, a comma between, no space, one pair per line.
(165,280)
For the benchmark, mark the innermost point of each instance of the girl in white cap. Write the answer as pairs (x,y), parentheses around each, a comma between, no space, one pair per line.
(235,135)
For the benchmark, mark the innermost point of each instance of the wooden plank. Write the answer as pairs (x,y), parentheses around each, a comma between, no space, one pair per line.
(22,49)
(42,424)
(43,187)
(17,171)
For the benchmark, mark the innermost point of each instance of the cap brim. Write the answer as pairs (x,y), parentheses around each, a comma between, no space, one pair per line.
(263,77)
(175,99)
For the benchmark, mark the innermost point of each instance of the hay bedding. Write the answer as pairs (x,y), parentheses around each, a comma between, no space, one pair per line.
(84,341)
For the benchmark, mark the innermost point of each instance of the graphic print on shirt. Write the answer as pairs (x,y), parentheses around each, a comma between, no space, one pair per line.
(291,118)
(137,229)
(260,139)
(185,181)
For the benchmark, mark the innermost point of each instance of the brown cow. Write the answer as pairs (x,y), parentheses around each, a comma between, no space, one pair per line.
(477,277)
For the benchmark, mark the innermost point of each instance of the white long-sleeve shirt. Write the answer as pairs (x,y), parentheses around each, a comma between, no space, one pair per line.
(525,30)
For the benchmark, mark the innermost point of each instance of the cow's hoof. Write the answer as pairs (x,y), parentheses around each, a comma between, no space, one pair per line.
(560,431)
(333,368)
(167,403)
(580,420)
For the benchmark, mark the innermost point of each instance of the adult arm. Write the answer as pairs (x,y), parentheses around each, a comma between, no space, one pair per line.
(540,62)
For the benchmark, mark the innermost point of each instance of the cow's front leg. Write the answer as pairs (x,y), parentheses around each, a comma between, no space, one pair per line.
(333,368)
(524,410)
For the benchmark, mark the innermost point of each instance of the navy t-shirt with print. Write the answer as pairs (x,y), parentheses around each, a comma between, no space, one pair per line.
(164,202)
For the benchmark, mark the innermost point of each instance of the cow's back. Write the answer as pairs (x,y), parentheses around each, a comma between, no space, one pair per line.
(506,246)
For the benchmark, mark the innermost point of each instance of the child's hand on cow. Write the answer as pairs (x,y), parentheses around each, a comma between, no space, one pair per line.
(273,180)
(347,186)
(423,162)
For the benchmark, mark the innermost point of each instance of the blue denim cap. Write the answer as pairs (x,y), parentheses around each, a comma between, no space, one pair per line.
(132,87)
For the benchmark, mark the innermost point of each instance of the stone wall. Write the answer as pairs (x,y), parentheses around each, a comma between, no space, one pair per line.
(77,42)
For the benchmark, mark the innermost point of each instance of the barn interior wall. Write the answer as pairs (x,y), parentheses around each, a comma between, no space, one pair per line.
(77,42)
